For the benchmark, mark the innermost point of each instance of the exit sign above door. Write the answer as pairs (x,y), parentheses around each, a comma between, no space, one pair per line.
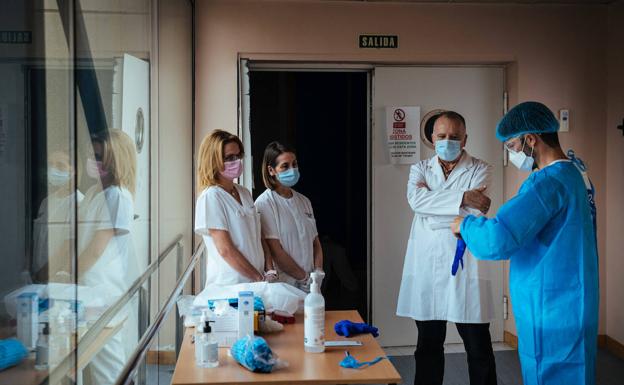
(379,41)
(16,37)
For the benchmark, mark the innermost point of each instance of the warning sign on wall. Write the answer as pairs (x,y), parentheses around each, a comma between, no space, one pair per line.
(402,127)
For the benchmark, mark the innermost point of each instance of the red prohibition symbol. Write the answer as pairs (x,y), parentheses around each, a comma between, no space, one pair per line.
(399,115)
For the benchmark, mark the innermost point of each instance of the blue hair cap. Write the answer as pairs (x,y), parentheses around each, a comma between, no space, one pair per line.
(526,118)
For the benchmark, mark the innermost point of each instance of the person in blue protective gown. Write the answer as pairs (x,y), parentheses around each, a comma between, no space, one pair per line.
(547,232)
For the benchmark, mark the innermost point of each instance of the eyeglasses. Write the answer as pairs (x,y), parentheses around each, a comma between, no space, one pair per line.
(511,143)
(233,157)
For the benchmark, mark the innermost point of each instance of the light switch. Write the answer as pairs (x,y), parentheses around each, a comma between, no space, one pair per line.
(564,120)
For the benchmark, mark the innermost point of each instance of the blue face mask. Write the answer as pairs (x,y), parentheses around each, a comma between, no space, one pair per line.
(57,177)
(289,177)
(448,150)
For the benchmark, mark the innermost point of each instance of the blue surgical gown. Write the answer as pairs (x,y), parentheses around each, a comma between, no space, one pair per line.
(547,233)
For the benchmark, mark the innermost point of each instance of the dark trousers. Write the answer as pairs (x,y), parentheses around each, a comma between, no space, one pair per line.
(430,353)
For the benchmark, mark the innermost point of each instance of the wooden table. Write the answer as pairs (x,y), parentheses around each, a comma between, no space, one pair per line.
(304,368)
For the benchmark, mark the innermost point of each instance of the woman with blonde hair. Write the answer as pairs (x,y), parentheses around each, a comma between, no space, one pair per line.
(106,262)
(288,224)
(225,214)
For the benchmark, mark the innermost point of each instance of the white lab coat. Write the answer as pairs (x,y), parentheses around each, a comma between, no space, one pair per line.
(217,209)
(291,221)
(428,290)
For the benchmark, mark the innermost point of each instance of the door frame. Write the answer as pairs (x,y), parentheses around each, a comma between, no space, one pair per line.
(261,62)
(246,65)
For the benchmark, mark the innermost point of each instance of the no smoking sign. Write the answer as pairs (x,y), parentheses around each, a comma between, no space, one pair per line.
(399,118)
(402,128)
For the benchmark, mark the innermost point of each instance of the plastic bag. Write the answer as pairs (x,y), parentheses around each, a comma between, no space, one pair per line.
(255,354)
(185,305)
(276,296)
(267,325)
(89,297)
(191,314)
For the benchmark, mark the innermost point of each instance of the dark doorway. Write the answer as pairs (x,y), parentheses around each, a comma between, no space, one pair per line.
(323,115)
(38,130)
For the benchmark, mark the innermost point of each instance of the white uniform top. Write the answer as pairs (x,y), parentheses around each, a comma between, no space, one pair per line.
(115,269)
(428,290)
(218,210)
(291,221)
(113,272)
(53,225)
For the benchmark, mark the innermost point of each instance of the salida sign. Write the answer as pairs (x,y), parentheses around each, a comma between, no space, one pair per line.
(379,41)
(402,134)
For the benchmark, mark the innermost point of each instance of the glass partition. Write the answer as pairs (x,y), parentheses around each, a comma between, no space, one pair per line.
(79,152)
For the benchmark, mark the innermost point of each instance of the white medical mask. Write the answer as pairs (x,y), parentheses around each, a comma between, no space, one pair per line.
(521,160)
(448,150)
(57,177)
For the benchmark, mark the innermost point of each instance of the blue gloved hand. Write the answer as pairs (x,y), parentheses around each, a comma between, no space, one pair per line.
(347,328)
(351,362)
(459,256)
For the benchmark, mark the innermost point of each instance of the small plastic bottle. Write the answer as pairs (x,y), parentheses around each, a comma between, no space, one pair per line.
(62,326)
(206,348)
(42,349)
(198,337)
(314,318)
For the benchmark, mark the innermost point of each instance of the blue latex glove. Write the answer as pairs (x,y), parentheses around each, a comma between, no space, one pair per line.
(347,328)
(459,256)
(351,362)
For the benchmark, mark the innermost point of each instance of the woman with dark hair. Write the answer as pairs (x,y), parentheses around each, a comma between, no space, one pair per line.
(288,224)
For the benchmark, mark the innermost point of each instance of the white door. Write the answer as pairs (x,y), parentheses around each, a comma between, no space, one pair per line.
(131,113)
(477,94)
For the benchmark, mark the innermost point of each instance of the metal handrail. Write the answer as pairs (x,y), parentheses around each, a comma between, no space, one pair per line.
(127,374)
(94,331)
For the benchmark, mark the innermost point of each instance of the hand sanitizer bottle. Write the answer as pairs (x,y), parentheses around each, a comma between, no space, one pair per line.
(42,350)
(206,348)
(198,338)
(314,317)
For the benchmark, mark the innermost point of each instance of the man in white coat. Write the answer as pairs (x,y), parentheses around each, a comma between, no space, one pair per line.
(451,183)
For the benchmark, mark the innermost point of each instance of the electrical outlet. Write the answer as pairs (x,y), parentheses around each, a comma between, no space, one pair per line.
(564,120)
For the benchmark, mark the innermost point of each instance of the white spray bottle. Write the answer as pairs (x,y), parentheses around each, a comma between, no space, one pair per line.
(314,317)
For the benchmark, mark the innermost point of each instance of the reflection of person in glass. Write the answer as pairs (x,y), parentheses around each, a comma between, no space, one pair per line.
(56,212)
(104,243)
